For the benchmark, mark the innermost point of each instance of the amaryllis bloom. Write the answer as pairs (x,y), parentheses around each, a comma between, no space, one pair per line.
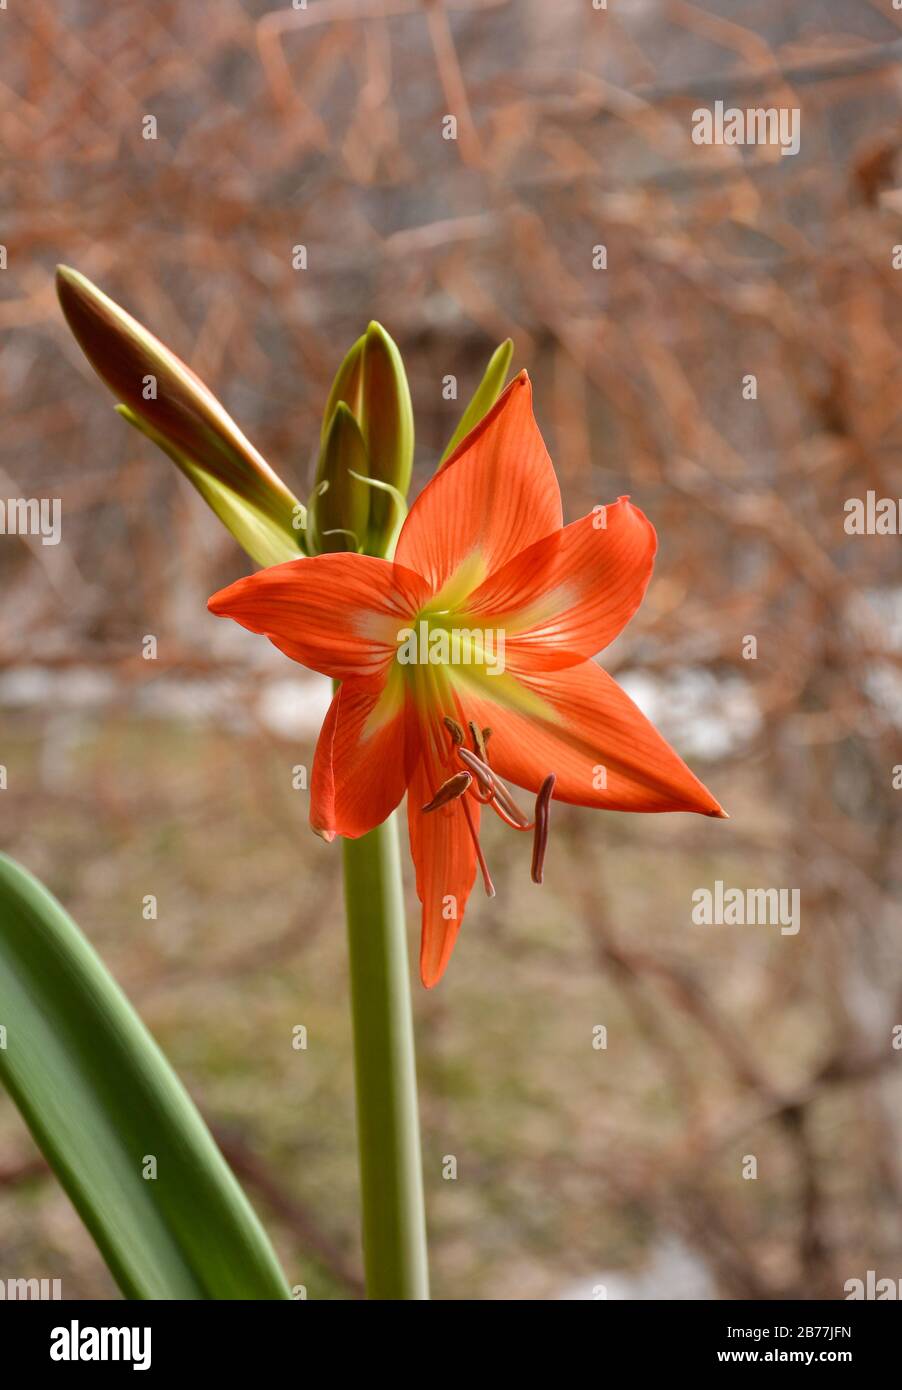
(466,663)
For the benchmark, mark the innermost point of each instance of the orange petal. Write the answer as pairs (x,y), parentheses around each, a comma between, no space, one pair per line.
(339,614)
(445,859)
(567,596)
(603,750)
(365,754)
(495,496)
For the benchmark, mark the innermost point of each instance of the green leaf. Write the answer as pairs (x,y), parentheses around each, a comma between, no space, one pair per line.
(100,1099)
(484,397)
(163,398)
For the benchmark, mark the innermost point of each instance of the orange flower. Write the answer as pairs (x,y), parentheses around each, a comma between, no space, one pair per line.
(466,662)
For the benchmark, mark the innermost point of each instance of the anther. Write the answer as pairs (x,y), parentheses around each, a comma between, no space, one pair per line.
(450,790)
(540,836)
(454,729)
(478,742)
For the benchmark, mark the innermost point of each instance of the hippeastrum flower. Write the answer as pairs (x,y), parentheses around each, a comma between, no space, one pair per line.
(466,663)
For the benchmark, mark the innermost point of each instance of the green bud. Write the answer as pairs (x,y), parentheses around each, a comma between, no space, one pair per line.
(346,386)
(386,420)
(339,508)
(484,397)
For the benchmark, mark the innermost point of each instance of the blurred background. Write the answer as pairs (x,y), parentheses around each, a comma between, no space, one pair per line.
(578,1165)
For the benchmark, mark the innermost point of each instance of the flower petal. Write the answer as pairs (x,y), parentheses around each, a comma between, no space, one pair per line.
(366,752)
(445,858)
(495,496)
(602,749)
(568,596)
(339,614)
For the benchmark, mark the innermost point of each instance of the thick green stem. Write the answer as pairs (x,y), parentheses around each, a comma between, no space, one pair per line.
(391,1176)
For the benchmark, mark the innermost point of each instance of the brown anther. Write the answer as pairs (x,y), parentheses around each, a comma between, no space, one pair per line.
(540,836)
(454,729)
(449,791)
(478,742)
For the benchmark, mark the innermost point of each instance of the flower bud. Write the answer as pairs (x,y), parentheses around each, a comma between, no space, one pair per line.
(386,421)
(484,397)
(346,386)
(339,510)
(164,399)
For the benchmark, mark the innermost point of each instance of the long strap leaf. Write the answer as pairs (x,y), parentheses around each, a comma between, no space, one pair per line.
(113,1120)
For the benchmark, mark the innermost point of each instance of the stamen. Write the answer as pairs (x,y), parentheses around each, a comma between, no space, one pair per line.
(479,769)
(449,791)
(484,798)
(478,742)
(540,838)
(504,803)
(454,729)
(486,788)
(486,876)
(508,819)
